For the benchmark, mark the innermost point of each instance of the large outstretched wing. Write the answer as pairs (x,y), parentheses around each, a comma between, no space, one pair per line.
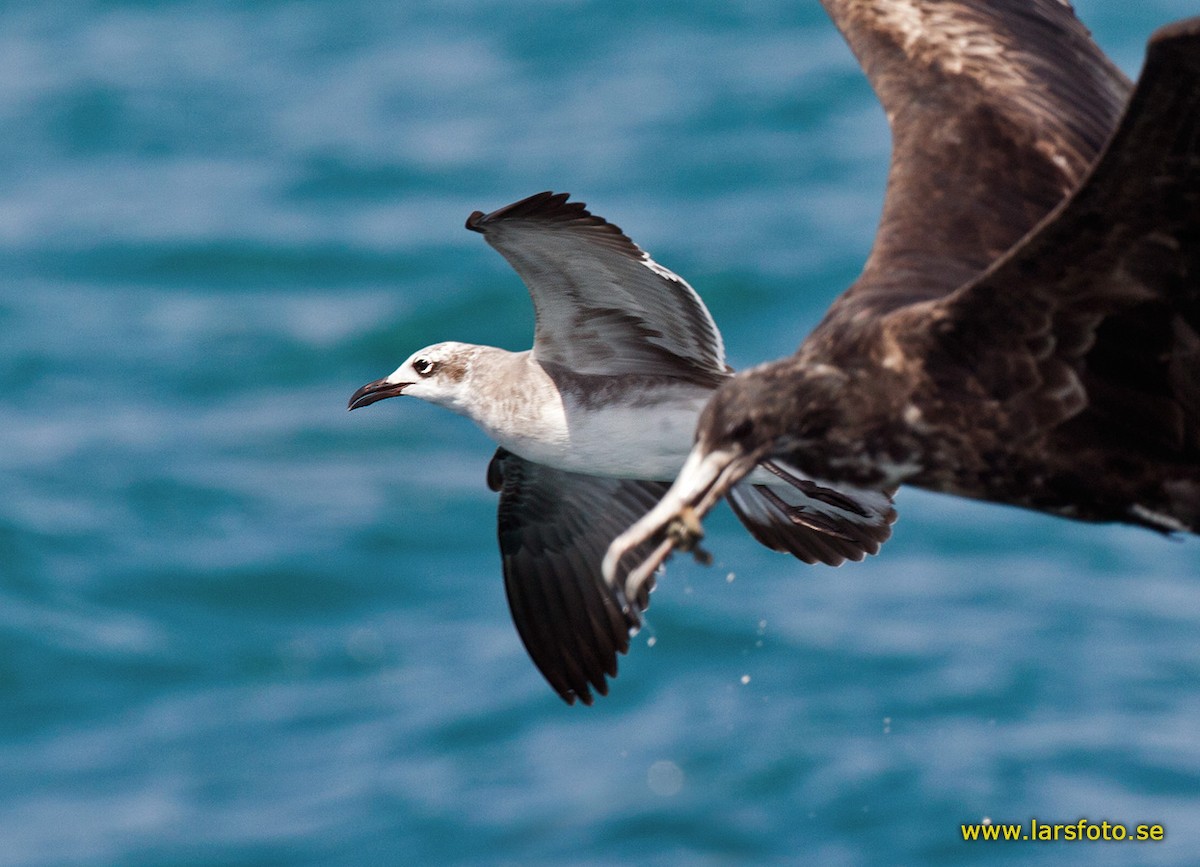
(997,109)
(1095,317)
(602,305)
(554,528)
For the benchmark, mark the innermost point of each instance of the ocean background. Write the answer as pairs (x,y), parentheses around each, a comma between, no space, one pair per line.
(239,625)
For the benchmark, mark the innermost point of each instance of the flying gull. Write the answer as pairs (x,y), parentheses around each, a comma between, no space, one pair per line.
(1065,377)
(594,422)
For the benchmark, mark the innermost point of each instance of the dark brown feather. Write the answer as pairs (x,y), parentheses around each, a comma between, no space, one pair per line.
(1065,378)
(1112,280)
(1085,335)
(997,108)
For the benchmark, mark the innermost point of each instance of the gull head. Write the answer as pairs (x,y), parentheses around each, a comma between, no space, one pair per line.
(436,373)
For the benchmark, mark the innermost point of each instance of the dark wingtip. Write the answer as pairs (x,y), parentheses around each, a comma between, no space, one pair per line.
(525,207)
(549,208)
(473,221)
(555,210)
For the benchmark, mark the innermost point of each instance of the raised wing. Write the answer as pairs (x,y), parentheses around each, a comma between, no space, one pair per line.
(997,109)
(1095,318)
(603,306)
(554,528)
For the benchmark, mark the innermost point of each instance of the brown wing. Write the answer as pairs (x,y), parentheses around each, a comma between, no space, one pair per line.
(812,522)
(1094,320)
(554,528)
(997,108)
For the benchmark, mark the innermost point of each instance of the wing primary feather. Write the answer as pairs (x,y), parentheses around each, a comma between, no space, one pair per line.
(553,528)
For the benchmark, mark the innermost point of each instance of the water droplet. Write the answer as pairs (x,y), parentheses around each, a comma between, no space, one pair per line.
(665,778)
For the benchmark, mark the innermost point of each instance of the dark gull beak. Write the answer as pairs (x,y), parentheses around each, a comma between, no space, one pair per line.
(701,482)
(378,390)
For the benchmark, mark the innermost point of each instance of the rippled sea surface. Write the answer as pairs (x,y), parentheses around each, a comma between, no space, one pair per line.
(241,626)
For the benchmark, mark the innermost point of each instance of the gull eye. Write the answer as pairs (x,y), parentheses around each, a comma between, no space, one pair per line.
(424,367)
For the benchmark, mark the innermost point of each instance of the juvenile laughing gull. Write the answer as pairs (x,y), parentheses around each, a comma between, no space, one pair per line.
(593,422)
(1065,377)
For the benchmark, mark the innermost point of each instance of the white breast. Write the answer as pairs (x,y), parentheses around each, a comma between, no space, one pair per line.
(647,442)
(518,405)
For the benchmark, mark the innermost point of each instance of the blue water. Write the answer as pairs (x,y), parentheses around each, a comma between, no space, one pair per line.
(241,626)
